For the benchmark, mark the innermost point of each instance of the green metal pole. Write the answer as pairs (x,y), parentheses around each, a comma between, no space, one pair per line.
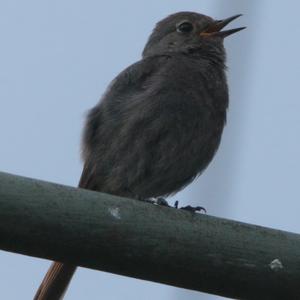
(141,240)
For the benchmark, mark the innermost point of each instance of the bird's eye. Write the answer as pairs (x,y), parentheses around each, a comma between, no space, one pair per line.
(185,27)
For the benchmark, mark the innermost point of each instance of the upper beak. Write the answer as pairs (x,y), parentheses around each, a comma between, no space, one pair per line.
(215,28)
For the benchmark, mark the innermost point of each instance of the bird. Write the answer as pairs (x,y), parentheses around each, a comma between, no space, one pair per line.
(160,121)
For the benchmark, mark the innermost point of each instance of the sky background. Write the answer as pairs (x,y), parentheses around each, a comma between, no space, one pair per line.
(57,57)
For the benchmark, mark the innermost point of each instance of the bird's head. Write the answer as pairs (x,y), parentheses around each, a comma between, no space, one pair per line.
(189,32)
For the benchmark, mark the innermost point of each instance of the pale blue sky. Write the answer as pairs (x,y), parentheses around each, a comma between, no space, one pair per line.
(56,59)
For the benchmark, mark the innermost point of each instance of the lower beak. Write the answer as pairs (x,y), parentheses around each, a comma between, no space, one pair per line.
(215,28)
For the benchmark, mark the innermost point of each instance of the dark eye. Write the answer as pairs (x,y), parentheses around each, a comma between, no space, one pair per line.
(185,27)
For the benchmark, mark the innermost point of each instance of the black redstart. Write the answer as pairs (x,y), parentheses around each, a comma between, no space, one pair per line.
(160,121)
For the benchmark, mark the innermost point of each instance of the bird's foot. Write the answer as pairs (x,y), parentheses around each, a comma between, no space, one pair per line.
(190,208)
(161,201)
(157,201)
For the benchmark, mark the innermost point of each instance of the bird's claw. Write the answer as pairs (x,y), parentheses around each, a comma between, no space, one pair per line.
(157,201)
(194,209)
(190,208)
(162,201)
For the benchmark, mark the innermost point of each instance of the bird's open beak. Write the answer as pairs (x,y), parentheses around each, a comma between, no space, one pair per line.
(215,28)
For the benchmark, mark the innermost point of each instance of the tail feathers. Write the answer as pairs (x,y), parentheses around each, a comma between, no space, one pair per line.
(59,275)
(55,282)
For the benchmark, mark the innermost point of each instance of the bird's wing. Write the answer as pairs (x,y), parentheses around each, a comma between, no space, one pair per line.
(104,122)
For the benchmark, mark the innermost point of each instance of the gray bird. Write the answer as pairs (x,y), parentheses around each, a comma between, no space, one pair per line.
(160,121)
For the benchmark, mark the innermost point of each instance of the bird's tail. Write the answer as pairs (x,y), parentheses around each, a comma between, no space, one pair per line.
(59,275)
(55,282)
